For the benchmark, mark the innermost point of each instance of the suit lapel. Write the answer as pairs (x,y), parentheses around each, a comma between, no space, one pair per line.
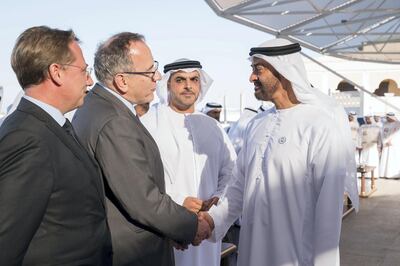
(30,108)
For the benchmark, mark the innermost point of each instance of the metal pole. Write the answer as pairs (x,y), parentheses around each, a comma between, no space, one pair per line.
(351,82)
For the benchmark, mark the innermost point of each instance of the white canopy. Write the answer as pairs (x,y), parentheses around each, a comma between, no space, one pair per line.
(365,30)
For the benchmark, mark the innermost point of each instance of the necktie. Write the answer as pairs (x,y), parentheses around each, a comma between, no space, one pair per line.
(70,130)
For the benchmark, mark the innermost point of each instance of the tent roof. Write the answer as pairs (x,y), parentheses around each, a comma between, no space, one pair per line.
(366,30)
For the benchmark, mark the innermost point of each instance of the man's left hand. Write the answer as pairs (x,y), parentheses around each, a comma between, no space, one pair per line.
(207,204)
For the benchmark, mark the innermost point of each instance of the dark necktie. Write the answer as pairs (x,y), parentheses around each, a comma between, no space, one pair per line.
(70,130)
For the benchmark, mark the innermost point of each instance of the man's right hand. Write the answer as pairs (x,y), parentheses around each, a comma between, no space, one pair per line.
(207,217)
(193,204)
(203,230)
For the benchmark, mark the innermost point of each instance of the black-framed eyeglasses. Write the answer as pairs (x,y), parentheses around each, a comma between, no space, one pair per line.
(149,74)
(86,69)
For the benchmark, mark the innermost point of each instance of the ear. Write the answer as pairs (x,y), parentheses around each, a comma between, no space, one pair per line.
(121,83)
(168,85)
(55,74)
(286,83)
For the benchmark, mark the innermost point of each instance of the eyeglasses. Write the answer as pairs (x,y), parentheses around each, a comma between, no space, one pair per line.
(86,69)
(149,74)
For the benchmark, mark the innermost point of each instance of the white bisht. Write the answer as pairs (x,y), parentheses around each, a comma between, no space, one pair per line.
(390,165)
(290,177)
(198,159)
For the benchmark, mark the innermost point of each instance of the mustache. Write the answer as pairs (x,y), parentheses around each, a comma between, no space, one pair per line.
(257,83)
(188,90)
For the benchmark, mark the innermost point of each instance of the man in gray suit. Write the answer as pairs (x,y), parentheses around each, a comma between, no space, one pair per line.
(52,206)
(143,219)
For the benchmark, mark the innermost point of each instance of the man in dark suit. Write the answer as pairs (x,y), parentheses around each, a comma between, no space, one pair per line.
(143,219)
(52,209)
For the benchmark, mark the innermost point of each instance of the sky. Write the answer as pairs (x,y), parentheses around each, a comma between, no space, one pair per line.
(173,29)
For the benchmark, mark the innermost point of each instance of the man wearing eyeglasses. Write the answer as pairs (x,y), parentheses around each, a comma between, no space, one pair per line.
(143,219)
(52,204)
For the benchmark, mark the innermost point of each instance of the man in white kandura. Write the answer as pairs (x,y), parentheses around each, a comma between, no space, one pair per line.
(377,121)
(213,110)
(296,163)
(354,127)
(370,145)
(197,155)
(390,164)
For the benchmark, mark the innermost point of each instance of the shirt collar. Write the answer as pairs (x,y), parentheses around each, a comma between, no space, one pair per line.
(122,99)
(51,110)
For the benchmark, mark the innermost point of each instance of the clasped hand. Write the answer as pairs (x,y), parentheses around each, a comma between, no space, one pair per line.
(204,228)
(205,222)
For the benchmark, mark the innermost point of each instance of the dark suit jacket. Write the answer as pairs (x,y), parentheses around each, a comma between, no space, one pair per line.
(142,217)
(52,208)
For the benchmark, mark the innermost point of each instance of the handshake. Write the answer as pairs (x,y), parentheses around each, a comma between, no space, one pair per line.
(205,224)
(204,228)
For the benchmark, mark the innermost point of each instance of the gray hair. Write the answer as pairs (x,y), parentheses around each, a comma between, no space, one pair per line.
(113,56)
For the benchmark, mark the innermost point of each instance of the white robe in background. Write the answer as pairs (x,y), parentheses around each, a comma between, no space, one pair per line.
(390,158)
(198,159)
(378,124)
(289,179)
(354,127)
(370,143)
(237,129)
